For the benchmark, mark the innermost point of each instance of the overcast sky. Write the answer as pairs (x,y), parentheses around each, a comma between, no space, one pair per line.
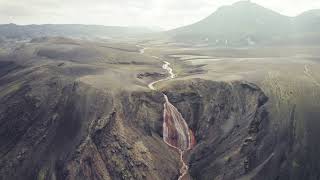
(153,13)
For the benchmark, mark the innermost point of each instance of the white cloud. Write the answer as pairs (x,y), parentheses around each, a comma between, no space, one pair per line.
(163,13)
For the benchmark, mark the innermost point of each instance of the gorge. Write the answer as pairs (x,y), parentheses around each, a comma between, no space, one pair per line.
(176,132)
(78,110)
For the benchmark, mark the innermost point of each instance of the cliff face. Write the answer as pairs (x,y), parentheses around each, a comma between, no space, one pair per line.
(96,119)
(55,127)
(230,123)
(126,144)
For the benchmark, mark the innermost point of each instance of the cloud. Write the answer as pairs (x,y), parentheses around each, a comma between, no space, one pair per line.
(163,13)
(14,10)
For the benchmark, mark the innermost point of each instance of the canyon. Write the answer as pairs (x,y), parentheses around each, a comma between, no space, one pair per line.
(234,96)
(176,132)
(75,109)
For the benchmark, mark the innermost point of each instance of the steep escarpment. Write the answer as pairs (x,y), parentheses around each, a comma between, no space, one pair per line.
(64,117)
(128,146)
(43,120)
(54,126)
(230,123)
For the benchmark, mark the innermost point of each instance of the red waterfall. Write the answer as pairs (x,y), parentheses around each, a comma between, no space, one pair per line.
(177,134)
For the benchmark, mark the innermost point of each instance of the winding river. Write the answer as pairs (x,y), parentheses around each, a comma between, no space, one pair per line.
(176,133)
(167,67)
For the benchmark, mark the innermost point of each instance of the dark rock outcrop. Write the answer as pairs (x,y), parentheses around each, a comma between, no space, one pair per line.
(54,126)
(230,122)
(153,75)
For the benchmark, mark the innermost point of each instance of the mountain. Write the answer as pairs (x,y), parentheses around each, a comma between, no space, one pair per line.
(309,21)
(247,23)
(240,24)
(13,31)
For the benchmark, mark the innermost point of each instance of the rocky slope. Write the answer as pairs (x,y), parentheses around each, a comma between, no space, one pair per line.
(230,123)
(71,118)
(55,127)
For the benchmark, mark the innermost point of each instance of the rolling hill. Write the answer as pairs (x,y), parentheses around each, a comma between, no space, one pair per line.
(13,31)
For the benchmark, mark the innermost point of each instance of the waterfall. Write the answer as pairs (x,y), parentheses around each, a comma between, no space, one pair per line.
(175,129)
(176,133)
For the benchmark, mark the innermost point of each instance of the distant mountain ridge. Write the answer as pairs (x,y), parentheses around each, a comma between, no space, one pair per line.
(247,23)
(13,31)
(241,24)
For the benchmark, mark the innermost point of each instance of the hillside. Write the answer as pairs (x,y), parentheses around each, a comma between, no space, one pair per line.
(246,23)
(13,31)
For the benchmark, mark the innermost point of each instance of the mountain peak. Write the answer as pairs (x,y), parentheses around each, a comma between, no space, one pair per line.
(311,13)
(243,3)
(238,24)
(242,7)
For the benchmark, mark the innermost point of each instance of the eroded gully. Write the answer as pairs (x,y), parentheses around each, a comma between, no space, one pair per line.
(176,132)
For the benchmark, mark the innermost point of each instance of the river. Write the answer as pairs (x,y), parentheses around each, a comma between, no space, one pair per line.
(176,133)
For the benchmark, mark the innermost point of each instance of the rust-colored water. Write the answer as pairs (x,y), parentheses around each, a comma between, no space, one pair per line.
(177,134)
